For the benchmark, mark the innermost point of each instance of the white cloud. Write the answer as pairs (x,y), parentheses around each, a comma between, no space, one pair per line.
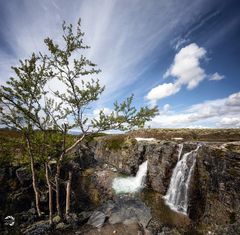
(214,113)
(186,66)
(162,91)
(186,70)
(229,122)
(234,99)
(166,107)
(216,77)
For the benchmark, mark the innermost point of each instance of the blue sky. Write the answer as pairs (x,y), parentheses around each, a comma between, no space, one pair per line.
(180,55)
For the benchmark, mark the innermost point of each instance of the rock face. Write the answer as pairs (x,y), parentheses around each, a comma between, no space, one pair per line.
(215,187)
(121,152)
(214,191)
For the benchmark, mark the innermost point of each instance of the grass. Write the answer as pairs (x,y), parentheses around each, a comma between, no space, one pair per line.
(220,135)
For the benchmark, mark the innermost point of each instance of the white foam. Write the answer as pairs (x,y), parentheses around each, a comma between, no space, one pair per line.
(131,184)
(177,194)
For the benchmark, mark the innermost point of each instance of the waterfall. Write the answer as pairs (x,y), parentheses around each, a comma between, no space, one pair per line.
(131,184)
(177,194)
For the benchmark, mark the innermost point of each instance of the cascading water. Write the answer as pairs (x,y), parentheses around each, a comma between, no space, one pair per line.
(131,184)
(177,194)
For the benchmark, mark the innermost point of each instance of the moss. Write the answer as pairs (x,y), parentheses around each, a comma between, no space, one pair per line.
(91,137)
(115,142)
(119,142)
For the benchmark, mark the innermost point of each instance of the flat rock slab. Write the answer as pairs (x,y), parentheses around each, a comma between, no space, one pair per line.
(123,210)
(97,219)
(129,210)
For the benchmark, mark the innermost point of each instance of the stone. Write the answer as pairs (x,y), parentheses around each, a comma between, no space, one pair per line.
(39,228)
(61,226)
(130,211)
(56,219)
(84,216)
(97,219)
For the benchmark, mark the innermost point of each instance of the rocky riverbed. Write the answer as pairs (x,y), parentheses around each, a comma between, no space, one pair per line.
(213,194)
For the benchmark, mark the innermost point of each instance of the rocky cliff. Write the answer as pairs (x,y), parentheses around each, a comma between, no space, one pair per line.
(214,192)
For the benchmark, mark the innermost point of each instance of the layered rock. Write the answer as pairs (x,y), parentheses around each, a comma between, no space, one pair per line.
(214,192)
(215,187)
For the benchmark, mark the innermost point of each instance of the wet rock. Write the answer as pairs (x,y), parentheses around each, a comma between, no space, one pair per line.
(162,157)
(97,219)
(103,181)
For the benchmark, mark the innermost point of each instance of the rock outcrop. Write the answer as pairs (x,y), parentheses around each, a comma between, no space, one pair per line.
(214,192)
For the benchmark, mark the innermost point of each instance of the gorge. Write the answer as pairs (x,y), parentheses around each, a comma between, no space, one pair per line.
(142,184)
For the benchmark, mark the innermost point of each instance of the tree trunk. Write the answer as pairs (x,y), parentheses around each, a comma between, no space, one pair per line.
(57,190)
(68,193)
(57,175)
(34,184)
(35,188)
(49,194)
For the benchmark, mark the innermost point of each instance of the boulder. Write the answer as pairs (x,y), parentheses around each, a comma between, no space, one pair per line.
(56,219)
(130,210)
(97,219)
(62,226)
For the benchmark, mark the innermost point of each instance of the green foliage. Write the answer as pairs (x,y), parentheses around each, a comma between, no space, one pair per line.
(124,117)
(25,103)
(69,70)
(20,98)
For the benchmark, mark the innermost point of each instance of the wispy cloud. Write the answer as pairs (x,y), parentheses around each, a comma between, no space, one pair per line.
(122,34)
(216,77)
(198,24)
